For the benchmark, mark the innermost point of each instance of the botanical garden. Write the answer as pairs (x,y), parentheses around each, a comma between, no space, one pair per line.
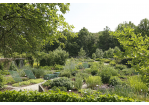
(108,66)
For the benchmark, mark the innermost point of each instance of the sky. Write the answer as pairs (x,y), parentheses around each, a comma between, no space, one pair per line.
(95,15)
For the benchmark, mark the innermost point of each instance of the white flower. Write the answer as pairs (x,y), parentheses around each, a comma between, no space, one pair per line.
(141,89)
(70,90)
(96,85)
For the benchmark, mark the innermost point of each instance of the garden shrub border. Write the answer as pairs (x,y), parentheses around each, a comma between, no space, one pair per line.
(52,96)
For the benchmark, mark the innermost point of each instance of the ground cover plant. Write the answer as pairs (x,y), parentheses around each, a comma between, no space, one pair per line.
(31,81)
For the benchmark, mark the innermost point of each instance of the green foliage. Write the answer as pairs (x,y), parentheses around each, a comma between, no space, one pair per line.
(58,56)
(21,72)
(4,72)
(52,96)
(65,73)
(88,92)
(125,91)
(94,72)
(30,25)
(80,66)
(128,71)
(88,70)
(70,65)
(2,81)
(1,66)
(112,63)
(106,73)
(97,59)
(9,80)
(78,81)
(99,53)
(84,75)
(136,83)
(74,72)
(13,67)
(120,66)
(46,67)
(35,81)
(136,48)
(31,81)
(38,72)
(57,89)
(59,67)
(47,83)
(94,56)
(106,60)
(92,81)
(114,80)
(21,83)
(62,81)
(82,53)
(25,79)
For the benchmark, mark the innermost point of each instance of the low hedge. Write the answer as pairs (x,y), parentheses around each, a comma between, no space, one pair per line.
(52,96)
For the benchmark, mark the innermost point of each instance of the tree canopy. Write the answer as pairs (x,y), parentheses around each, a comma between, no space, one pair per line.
(28,26)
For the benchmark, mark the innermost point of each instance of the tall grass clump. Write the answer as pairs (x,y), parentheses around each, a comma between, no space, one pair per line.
(136,83)
(78,81)
(92,81)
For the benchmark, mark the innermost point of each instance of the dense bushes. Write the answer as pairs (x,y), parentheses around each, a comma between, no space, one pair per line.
(51,96)
(38,72)
(120,66)
(136,83)
(114,80)
(65,73)
(1,66)
(112,63)
(58,56)
(13,66)
(99,53)
(63,81)
(1,81)
(106,73)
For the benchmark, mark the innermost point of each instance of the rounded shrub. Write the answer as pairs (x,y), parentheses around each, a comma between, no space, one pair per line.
(62,81)
(112,63)
(65,73)
(120,66)
(106,73)
(94,72)
(114,80)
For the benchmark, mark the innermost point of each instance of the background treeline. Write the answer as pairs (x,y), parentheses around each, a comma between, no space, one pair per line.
(91,41)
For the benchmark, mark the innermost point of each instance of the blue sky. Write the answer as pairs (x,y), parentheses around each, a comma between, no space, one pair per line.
(96,16)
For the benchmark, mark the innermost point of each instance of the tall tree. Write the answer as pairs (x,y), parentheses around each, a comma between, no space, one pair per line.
(136,48)
(105,40)
(143,27)
(28,26)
